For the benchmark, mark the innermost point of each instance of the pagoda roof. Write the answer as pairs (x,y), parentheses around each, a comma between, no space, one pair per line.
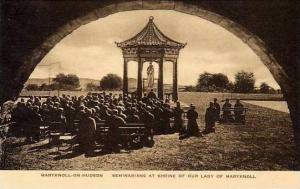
(150,36)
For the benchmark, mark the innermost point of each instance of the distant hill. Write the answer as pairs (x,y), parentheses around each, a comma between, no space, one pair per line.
(83,81)
(38,81)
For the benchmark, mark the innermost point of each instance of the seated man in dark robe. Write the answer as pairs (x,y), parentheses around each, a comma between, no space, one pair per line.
(35,120)
(227,116)
(145,98)
(27,122)
(239,112)
(95,114)
(62,119)
(148,119)
(165,119)
(120,113)
(104,113)
(70,116)
(133,116)
(157,112)
(44,112)
(113,135)
(87,132)
(18,116)
(210,119)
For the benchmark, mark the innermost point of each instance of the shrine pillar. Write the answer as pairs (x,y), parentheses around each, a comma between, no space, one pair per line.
(125,77)
(175,82)
(140,81)
(160,83)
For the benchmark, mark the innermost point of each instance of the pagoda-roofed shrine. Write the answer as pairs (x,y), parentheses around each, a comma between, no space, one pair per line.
(151,45)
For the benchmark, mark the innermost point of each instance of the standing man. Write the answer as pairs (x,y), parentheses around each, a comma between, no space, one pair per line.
(151,94)
(226,112)
(217,109)
(177,112)
(210,119)
(192,127)
(239,112)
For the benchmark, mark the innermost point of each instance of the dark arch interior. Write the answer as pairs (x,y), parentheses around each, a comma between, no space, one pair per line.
(27,42)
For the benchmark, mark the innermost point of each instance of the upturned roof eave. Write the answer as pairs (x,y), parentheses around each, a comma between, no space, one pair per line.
(122,45)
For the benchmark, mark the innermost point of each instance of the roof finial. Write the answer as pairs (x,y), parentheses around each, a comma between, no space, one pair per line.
(151,18)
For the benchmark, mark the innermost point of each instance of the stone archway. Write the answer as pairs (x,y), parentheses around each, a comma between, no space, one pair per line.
(35,55)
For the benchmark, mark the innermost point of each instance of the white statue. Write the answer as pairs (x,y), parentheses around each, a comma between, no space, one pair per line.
(150,74)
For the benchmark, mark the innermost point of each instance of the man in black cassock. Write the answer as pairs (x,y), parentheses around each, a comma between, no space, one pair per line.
(177,112)
(210,119)
(151,94)
(192,127)
(239,112)
(217,109)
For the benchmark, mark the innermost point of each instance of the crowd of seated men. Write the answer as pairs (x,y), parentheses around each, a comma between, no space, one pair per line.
(115,110)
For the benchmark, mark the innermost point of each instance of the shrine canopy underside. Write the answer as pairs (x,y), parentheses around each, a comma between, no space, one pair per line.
(150,45)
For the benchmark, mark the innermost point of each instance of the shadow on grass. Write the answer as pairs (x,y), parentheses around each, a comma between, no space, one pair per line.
(18,144)
(76,151)
(40,147)
(96,152)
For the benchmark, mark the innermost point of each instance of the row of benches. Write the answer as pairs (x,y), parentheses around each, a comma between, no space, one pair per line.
(127,133)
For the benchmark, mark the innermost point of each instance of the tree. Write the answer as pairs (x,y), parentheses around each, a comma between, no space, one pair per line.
(111,81)
(230,86)
(66,82)
(32,87)
(212,82)
(92,87)
(221,81)
(264,88)
(204,81)
(244,82)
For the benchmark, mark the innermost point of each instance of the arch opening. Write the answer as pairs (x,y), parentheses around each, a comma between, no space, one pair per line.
(254,42)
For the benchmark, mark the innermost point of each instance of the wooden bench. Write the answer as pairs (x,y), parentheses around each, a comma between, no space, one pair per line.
(128,133)
(44,131)
(57,136)
(232,115)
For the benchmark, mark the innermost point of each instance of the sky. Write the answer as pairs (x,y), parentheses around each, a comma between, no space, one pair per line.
(91,52)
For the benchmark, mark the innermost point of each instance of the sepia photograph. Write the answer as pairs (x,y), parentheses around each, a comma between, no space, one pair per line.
(150,85)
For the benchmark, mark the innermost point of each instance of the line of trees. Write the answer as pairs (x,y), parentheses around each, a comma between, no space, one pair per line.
(71,82)
(244,82)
